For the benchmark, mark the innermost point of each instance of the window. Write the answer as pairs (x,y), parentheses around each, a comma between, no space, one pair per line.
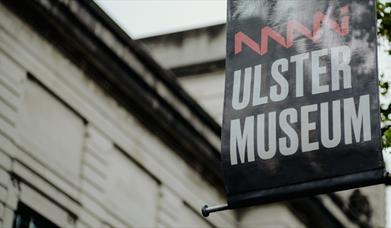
(26,217)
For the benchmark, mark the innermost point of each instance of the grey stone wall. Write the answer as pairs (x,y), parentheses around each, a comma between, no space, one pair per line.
(72,154)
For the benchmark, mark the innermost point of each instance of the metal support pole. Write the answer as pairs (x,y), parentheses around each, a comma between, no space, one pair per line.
(206,210)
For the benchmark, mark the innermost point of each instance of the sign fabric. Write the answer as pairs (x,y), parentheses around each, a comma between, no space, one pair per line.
(301,94)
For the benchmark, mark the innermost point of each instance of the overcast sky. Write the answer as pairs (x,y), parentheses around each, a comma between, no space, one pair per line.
(142,18)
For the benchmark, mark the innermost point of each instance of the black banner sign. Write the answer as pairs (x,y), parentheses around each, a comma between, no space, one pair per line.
(301,109)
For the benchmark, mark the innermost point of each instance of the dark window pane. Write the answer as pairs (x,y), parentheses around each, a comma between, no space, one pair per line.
(26,217)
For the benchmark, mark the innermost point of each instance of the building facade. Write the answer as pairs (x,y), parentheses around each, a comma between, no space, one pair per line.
(95,133)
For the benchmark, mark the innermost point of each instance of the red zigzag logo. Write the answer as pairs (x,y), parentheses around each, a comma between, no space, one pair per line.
(293,26)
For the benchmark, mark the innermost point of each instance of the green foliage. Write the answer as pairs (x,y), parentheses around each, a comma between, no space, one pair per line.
(384,30)
(387,138)
(384,19)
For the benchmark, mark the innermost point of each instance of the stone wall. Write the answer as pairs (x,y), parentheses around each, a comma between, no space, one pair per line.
(72,154)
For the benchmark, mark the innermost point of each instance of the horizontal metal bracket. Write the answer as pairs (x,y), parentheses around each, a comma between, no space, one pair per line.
(206,210)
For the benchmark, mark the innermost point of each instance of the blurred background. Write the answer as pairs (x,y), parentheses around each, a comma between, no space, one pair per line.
(110,116)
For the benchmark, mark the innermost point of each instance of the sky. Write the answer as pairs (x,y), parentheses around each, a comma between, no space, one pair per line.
(143,18)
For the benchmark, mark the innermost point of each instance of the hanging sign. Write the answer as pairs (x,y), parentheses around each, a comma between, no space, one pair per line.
(301,109)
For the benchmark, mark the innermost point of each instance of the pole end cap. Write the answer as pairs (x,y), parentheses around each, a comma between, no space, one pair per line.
(205,211)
